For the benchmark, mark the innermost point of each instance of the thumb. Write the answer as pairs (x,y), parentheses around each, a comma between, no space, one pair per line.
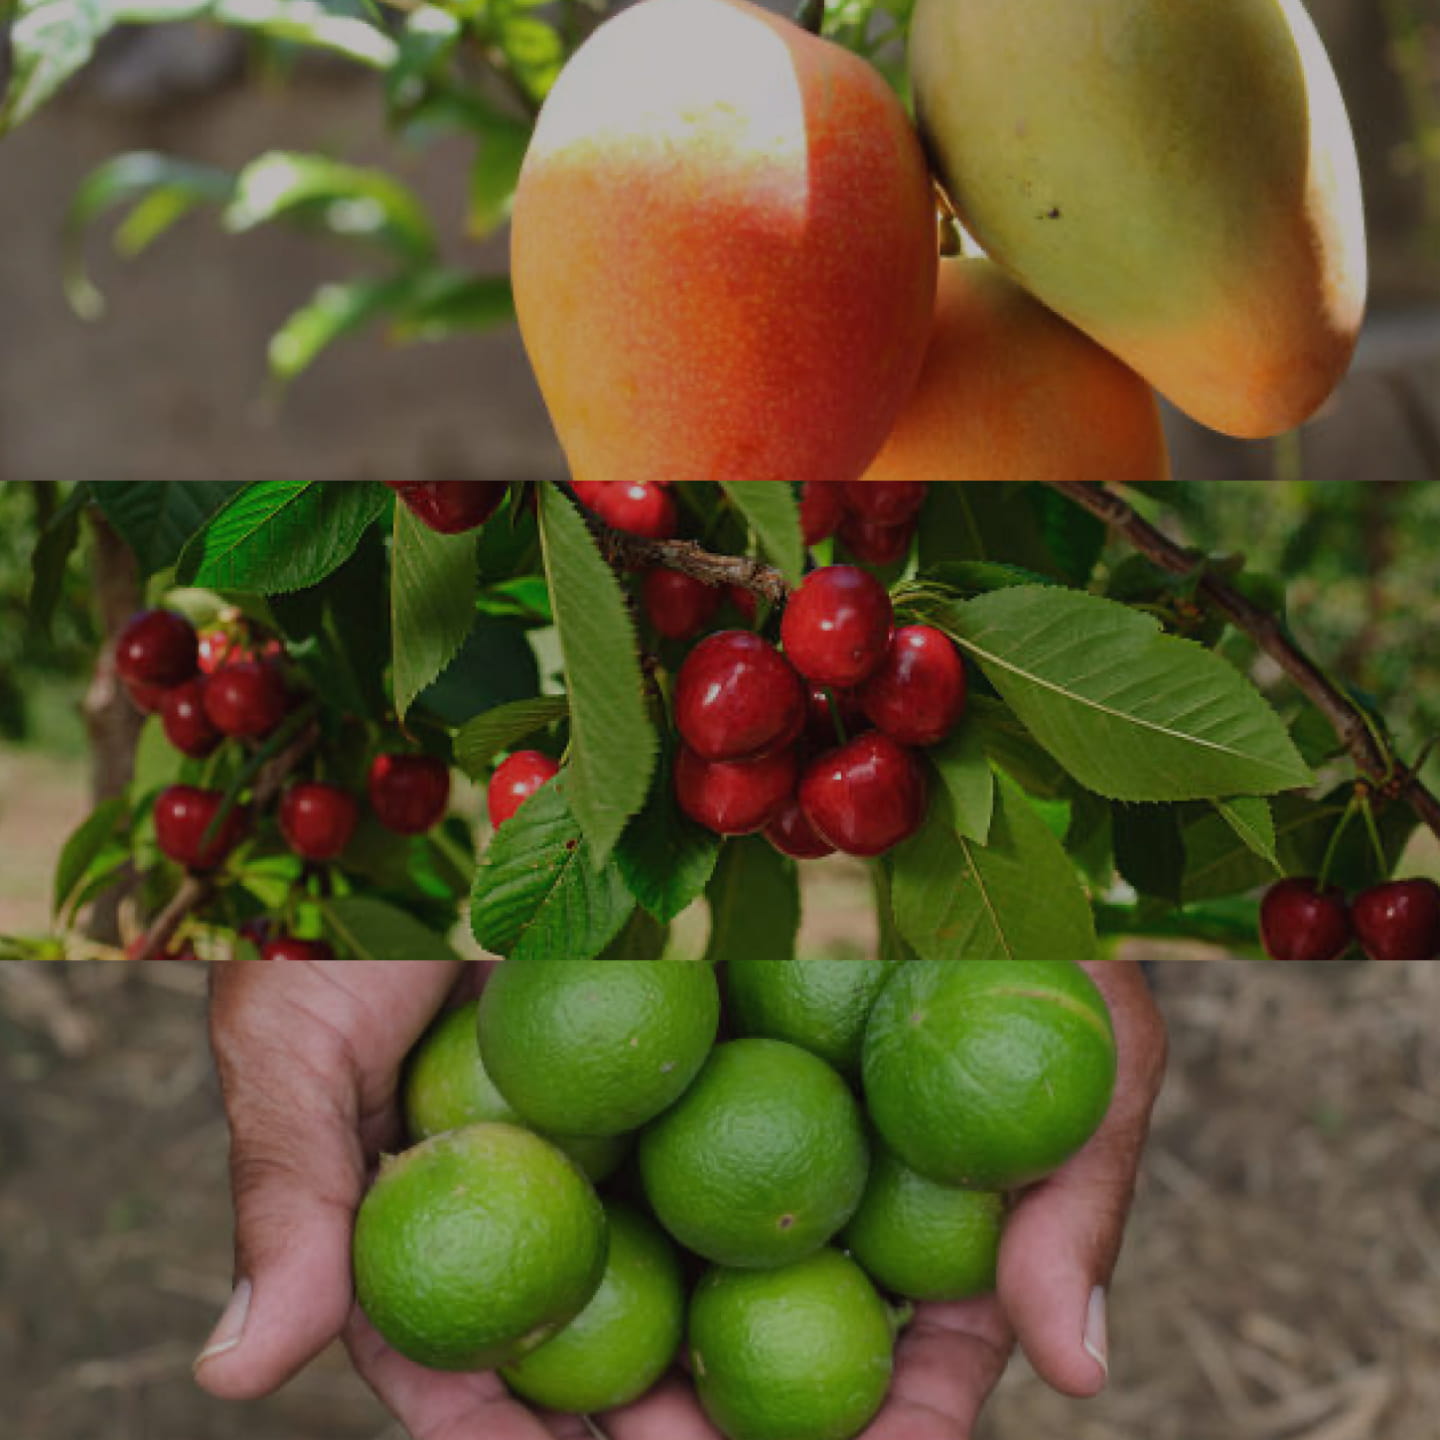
(298,1174)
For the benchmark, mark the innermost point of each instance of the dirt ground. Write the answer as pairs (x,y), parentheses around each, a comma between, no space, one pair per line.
(1280,1280)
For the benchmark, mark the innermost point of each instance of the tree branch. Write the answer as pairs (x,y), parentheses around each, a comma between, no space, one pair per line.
(1380,768)
(691,558)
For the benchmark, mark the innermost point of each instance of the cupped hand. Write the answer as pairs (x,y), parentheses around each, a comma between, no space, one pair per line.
(310,1058)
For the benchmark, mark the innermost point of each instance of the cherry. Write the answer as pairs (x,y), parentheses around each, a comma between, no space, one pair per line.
(874,544)
(821,731)
(645,508)
(248,700)
(183,817)
(736,697)
(792,834)
(822,507)
(885,502)
(735,797)
(318,821)
(867,796)
(1299,921)
(1400,921)
(157,647)
(451,506)
(409,793)
(514,782)
(288,947)
(917,696)
(147,699)
(743,602)
(837,626)
(222,646)
(679,606)
(187,727)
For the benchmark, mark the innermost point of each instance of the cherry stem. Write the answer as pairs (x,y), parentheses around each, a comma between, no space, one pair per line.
(1333,848)
(1357,731)
(1382,859)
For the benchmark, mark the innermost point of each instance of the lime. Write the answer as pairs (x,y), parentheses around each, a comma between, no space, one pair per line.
(763,1162)
(446,1087)
(803,1353)
(820,1005)
(989,1073)
(925,1241)
(597,1047)
(625,1339)
(476,1247)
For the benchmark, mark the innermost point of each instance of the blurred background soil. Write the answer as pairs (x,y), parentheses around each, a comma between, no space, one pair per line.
(1279,1283)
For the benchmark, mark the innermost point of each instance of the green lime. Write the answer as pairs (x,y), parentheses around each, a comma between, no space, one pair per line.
(820,1005)
(925,1241)
(625,1339)
(763,1162)
(446,1087)
(476,1247)
(597,1047)
(803,1353)
(990,1073)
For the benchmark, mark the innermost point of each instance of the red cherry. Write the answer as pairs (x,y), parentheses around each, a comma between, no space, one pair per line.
(736,697)
(157,647)
(744,602)
(821,731)
(917,696)
(248,700)
(187,727)
(679,606)
(222,646)
(318,821)
(792,834)
(1298,921)
(837,626)
(1400,921)
(524,774)
(451,506)
(867,796)
(409,793)
(287,947)
(183,817)
(735,797)
(822,507)
(885,502)
(645,508)
(873,544)
(147,699)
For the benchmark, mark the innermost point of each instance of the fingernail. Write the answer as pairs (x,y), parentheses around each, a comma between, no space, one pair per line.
(231,1329)
(1097,1330)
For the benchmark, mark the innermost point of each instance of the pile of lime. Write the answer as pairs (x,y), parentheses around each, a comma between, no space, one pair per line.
(620,1163)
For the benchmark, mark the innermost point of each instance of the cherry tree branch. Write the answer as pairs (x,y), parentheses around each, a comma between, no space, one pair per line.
(1383,772)
(691,558)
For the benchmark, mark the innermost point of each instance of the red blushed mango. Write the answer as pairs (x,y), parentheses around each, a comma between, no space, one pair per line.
(723,251)
(1012,392)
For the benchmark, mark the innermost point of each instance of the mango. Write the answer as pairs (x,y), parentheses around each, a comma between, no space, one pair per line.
(1176,178)
(724,250)
(1010,391)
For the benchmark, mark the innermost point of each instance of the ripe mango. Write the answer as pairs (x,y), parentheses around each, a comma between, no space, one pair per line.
(1010,391)
(1178,179)
(724,250)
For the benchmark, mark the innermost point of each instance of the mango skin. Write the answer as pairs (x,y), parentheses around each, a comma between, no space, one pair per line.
(1010,391)
(1178,179)
(724,250)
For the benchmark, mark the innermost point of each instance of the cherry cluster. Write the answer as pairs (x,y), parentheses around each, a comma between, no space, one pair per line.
(232,684)
(876,521)
(1302,920)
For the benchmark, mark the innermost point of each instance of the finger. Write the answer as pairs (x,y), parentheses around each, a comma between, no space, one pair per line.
(1064,1236)
(432,1405)
(670,1412)
(948,1364)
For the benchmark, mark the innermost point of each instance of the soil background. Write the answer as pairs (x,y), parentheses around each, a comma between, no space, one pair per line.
(1279,1283)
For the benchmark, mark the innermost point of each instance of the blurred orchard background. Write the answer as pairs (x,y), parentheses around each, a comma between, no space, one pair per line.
(1278,1283)
(171,383)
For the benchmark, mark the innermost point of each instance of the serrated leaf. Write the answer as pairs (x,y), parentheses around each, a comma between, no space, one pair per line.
(84,848)
(754,903)
(434,584)
(281,535)
(156,518)
(369,929)
(644,938)
(964,770)
(1253,821)
(482,739)
(1017,898)
(1015,751)
(613,745)
(539,891)
(770,508)
(1132,713)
